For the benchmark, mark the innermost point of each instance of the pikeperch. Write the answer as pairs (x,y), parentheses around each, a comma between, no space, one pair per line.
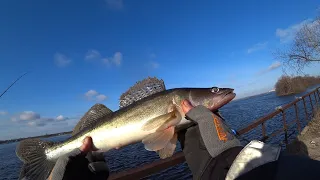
(152,120)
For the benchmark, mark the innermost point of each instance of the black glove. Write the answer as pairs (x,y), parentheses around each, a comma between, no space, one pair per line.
(210,146)
(215,134)
(79,165)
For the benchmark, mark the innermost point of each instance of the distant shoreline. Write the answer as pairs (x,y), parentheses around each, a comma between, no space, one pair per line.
(250,96)
(41,136)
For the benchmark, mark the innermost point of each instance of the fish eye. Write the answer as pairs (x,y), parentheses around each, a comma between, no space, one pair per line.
(214,89)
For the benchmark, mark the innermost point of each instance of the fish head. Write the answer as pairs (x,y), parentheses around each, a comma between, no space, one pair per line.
(212,98)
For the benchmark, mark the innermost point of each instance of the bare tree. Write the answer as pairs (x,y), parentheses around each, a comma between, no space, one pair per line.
(291,85)
(304,49)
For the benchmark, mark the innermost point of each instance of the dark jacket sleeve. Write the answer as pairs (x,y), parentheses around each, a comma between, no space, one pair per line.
(292,167)
(200,162)
(204,166)
(215,133)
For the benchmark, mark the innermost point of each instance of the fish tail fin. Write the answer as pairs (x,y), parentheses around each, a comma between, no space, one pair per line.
(32,153)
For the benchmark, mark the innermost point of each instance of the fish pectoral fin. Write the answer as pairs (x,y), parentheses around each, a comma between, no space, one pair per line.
(173,121)
(168,150)
(163,122)
(158,140)
(156,122)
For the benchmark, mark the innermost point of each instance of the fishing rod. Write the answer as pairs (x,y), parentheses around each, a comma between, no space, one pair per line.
(13,84)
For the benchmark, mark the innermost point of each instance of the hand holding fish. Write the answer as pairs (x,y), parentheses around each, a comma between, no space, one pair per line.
(148,113)
(186,106)
(208,143)
(81,163)
(87,145)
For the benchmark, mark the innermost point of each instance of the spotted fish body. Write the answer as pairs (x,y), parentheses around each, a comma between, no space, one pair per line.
(122,127)
(153,121)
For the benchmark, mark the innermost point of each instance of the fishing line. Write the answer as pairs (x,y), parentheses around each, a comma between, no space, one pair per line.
(13,84)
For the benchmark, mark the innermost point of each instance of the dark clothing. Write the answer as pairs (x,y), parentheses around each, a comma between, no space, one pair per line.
(289,167)
(76,165)
(200,162)
(215,134)
(204,166)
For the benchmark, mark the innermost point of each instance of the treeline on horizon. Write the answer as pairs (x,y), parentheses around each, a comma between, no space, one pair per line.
(287,85)
(41,136)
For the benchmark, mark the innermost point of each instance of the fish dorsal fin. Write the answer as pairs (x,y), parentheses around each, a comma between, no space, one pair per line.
(141,90)
(96,112)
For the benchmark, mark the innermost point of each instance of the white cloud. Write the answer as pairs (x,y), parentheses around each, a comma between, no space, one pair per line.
(93,95)
(31,118)
(40,122)
(257,47)
(272,67)
(36,127)
(116,59)
(287,34)
(92,55)
(36,123)
(28,115)
(47,119)
(101,97)
(3,113)
(115,4)
(44,121)
(61,118)
(61,60)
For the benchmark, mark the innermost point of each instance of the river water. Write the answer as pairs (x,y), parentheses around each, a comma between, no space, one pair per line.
(238,114)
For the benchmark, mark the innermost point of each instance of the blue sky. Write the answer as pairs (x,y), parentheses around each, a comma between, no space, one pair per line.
(82,52)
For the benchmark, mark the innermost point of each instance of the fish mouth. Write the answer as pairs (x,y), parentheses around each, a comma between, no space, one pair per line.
(227,97)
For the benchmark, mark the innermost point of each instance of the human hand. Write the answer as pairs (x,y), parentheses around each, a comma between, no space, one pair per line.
(81,163)
(214,131)
(186,106)
(191,131)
